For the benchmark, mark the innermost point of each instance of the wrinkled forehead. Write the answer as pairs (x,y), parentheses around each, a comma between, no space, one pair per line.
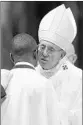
(48,44)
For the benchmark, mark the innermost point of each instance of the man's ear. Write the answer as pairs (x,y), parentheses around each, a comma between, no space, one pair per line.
(72,58)
(11,58)
(35,55)
(63,53)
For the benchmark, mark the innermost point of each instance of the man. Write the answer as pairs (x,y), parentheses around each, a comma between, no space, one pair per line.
(29,97)
(57,31)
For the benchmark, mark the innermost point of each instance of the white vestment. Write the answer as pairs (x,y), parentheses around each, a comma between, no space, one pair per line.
(67,82)
(58,27)
(30,99)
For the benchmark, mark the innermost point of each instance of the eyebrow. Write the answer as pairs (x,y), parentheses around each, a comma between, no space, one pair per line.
(51,47)
(42,45)
(47,46)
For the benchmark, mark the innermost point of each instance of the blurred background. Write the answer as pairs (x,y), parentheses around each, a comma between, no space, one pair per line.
(25,16)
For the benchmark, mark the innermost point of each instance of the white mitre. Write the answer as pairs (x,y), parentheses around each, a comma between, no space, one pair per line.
(58,27)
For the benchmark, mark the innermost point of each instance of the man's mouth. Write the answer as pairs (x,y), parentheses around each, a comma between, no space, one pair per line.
(44,60)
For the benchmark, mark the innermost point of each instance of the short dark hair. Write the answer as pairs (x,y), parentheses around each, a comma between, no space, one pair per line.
(23,43)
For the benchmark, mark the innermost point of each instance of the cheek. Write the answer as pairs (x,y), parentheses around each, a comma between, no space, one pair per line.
(54,58)
(39,54)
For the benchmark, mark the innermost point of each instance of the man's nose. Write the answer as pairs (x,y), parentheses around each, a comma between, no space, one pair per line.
(45,52)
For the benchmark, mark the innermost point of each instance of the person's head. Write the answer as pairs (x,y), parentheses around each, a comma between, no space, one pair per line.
(49,54)
(24,49)
(56,33)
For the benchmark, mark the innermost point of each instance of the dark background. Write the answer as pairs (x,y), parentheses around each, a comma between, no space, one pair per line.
(17,17)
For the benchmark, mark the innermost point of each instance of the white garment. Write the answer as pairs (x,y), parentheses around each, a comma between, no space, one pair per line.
(67,82)
(30,100)
(49,73)
(24,63)
(4,77)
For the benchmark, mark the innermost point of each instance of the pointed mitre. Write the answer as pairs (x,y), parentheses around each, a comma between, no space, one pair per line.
(58,27)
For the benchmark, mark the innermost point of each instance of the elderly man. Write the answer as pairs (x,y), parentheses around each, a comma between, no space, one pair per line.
(57,31)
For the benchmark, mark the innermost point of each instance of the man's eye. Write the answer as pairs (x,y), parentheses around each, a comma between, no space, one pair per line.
(51,49)
(42,47)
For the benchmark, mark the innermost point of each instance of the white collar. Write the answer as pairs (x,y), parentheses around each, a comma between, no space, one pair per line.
(24,63)
(49,73)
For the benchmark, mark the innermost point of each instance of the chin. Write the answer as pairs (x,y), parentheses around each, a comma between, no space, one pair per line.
(44,66)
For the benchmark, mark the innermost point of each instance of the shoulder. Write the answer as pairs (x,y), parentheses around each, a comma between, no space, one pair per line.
(36,79)
(68,69)
(28,74)
(39,76)
(74,71)
(4,77)
(71,74)
(37,68)
(5,71)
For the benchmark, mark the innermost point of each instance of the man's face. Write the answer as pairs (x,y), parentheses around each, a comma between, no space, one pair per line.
(48,54)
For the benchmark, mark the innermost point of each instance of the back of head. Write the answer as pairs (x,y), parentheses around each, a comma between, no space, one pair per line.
(23,44)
